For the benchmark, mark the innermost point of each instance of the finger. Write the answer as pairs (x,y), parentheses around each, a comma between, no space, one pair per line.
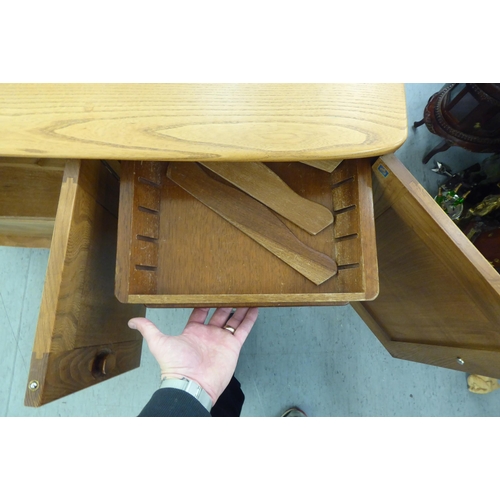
(235,320)
(147,328)
(220,316)
(199,315)
(246,325)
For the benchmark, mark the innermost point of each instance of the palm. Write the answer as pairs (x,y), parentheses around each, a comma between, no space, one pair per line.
(207,354)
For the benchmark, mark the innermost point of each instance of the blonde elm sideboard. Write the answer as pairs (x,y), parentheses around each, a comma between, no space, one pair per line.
(53,138)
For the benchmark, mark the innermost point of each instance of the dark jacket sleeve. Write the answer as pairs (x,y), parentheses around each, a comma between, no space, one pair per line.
(170,402)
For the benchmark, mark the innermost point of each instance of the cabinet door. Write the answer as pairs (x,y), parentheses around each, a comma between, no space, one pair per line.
(82,337)
(439,299)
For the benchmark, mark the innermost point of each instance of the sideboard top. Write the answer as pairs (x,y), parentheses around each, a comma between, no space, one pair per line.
(195,122)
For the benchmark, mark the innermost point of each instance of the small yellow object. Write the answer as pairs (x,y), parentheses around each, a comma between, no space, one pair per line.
(482,385)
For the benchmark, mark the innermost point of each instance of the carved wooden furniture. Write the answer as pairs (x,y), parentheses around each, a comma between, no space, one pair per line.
(465,115)
(82,336)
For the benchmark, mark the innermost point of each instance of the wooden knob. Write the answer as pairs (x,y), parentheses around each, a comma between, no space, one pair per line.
(103,364)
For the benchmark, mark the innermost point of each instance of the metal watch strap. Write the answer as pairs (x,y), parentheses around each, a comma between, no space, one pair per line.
(191,387)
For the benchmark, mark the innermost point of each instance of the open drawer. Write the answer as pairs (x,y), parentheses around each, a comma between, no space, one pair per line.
(175,251)
(82,336)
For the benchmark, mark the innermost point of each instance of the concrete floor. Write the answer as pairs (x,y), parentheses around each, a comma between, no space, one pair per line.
(323,359)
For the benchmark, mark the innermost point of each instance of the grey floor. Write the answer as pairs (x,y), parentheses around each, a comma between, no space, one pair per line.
(323,359)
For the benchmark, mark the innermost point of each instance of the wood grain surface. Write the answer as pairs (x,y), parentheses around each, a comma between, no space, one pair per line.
(29,192)
(195,122)
(260,182)
(138,228)
(81,324)
(326,165)
(26,232)
(439,297)
(201,260)
(255,220)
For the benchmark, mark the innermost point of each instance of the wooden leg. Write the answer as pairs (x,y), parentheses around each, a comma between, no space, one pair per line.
(442,146)
(417,124)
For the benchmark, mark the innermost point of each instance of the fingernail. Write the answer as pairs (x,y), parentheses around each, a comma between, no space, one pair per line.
(132,325)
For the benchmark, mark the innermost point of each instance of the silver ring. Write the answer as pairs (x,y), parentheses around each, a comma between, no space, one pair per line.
(229,329)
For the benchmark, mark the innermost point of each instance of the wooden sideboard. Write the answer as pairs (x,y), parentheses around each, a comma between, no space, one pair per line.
(65,143)
(60,146)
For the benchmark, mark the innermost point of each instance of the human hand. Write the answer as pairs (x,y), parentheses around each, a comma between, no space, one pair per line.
(207,354)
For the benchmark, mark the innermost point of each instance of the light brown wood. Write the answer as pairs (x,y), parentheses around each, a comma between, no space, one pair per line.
(439,297)
(255,220)
(24,162)
(197,122)
(29,192)
(326,165)
(26,232)
(260,182)
(198,259)
(81,325)
(138,228)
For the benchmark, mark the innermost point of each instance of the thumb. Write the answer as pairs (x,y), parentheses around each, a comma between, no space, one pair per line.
(147,329)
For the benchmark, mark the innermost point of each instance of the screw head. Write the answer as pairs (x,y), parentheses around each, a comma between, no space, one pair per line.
(460,361)
(33,385)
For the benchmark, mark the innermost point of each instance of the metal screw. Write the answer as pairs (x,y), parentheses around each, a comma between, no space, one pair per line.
(460,361)
(33,385)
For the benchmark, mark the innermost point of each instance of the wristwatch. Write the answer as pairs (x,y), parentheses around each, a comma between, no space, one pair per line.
(191,387)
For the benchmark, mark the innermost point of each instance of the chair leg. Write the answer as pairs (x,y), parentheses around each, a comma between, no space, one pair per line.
(417,124)
(442,146)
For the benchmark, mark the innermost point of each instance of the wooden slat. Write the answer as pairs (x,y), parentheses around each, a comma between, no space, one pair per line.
(247,300)
(326,165)
(197,122)
(79,315)
(368,250)
(29,192)
(253,219)
(260,182)
(26,232)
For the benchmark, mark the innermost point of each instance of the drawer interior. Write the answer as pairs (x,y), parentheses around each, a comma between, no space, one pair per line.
(174,250)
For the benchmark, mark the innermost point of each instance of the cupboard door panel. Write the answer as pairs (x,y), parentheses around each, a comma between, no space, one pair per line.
(439,299)
(82,337)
